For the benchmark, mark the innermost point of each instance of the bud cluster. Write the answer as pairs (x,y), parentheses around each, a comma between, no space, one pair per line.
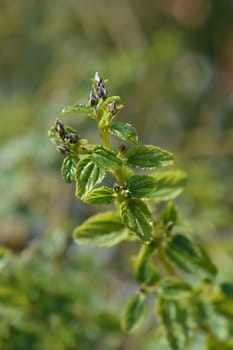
(67,137)
(123,190)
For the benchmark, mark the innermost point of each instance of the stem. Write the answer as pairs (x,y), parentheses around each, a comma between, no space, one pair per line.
(104,135)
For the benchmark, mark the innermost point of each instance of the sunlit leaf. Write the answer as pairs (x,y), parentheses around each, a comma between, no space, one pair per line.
(68,168)
(106,158)
(101,195)
(148,157)
(124,131)
(88,174)
(104,229)
(83,108)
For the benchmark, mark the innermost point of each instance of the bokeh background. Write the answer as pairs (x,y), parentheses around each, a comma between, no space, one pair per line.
(171,61)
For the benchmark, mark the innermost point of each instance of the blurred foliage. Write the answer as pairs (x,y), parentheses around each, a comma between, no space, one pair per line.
(172,63)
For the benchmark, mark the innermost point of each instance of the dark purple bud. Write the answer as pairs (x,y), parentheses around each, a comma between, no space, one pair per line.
(63,149)
(102,92)
(60,129)
(93,100)
(73,138)
(97,78)
(123,148)
(112,107)
(117,188)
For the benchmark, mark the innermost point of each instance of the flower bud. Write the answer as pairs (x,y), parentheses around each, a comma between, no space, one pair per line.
(102,92)
(93,100)
(112,107)
(63,149)
(97,78)
(73,138)
(59,127)
(123,148)
(117,188)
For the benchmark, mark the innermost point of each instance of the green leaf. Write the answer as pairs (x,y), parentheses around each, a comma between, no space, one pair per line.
(106,158)
(227,289)
(137,218)
(224,306)
(104,230)
(124,131)
(111,99)
(88,174)
(4,253)
(168,310)
(68,168)
(133,313)
(101,195)
(179,321)
(148,157)
(169,184)
(142,186)
(172,288)
(169,213)
(144,268)
(189,255)
(146,273)
(83,108)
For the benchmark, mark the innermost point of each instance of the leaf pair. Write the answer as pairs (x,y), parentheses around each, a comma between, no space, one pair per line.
(105,229)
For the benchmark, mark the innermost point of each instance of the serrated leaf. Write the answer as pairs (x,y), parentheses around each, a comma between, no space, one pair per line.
(83,108)
(101,195)
(124,131)
(106,158)
(142,186)
(104,229)
(189,255)
(133,313)
(172,288)
(137,218)
(68,168)
(169,184)
(88,174)
(148,157)
(169,213)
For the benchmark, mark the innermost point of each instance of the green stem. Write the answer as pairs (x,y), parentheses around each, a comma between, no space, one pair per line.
(104,135)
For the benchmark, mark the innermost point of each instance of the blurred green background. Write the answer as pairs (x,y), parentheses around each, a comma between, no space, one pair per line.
(171,61)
